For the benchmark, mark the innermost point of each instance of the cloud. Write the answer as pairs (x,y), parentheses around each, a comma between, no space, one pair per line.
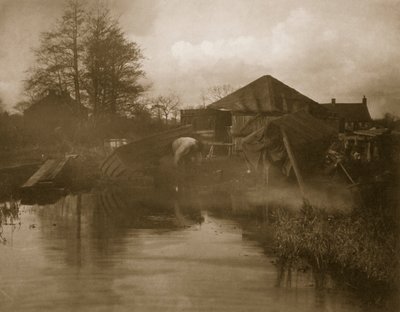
(20,25)
(323,58)
(281,43)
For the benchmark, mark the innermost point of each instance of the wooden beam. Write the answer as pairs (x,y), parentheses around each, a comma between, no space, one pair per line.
(38,175)
(346,173)
(292,158)
(266,183)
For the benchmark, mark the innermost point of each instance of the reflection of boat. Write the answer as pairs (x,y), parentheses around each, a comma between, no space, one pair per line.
(143,208)
(127,159)
(41,197)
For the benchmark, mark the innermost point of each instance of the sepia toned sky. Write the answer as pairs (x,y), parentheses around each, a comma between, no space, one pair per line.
(324,49)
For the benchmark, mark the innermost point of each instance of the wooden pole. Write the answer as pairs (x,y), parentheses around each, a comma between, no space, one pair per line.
(78,230)
(347,174)
(266,182)
(292,158)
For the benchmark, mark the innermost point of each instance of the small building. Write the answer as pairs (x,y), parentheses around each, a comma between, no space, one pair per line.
(200,119)
(267,97)
(352,116)
(209,124)
(56,106)
(55,113)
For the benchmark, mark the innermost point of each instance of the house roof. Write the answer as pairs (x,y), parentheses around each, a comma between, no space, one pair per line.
(197,112)
(350,111)
(56,100)
(265,95)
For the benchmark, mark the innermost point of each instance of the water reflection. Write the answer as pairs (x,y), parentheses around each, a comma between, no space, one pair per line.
(135,249)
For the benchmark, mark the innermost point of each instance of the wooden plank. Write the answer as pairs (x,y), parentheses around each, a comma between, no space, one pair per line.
(35,178)
(47,173)
(346,173)
(59,166)
(54,170)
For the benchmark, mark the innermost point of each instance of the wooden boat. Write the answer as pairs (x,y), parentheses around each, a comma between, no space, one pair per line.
(128,159)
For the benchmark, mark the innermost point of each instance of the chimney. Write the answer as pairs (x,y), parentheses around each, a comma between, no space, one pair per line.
(364,100)
(333,101)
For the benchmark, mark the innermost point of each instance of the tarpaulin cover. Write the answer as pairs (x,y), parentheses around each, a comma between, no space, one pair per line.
(308,136)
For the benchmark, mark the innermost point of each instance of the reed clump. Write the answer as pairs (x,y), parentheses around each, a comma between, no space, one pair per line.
(359,248)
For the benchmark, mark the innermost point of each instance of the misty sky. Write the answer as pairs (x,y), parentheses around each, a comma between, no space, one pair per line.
(324,49)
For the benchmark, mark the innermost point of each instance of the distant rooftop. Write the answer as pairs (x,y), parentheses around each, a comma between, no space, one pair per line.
(350,111)
(56,99)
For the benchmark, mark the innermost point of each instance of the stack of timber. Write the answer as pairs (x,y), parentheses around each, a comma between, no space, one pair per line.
(128,159)
(51,174)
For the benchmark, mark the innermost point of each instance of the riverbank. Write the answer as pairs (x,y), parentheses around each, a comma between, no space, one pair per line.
(97,256)
(358,250)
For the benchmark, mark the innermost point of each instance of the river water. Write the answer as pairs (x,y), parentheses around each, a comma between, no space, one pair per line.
(107,251)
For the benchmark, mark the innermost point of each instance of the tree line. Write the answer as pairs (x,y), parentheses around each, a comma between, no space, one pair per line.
(87,55)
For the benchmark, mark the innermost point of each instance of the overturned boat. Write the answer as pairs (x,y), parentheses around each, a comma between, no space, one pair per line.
(127,160)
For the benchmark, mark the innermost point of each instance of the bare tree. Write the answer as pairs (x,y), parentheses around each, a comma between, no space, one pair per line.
(166,106)
(70,31)
(58,58)
(215,93)
(22,106)
(87,54)
(113,65)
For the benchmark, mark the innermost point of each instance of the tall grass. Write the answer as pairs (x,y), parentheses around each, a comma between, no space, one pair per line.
(9,215)
(361,249)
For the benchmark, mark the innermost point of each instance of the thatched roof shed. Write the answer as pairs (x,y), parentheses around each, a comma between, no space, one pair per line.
(266,95)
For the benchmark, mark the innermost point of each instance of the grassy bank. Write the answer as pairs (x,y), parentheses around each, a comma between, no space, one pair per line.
(359,249)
